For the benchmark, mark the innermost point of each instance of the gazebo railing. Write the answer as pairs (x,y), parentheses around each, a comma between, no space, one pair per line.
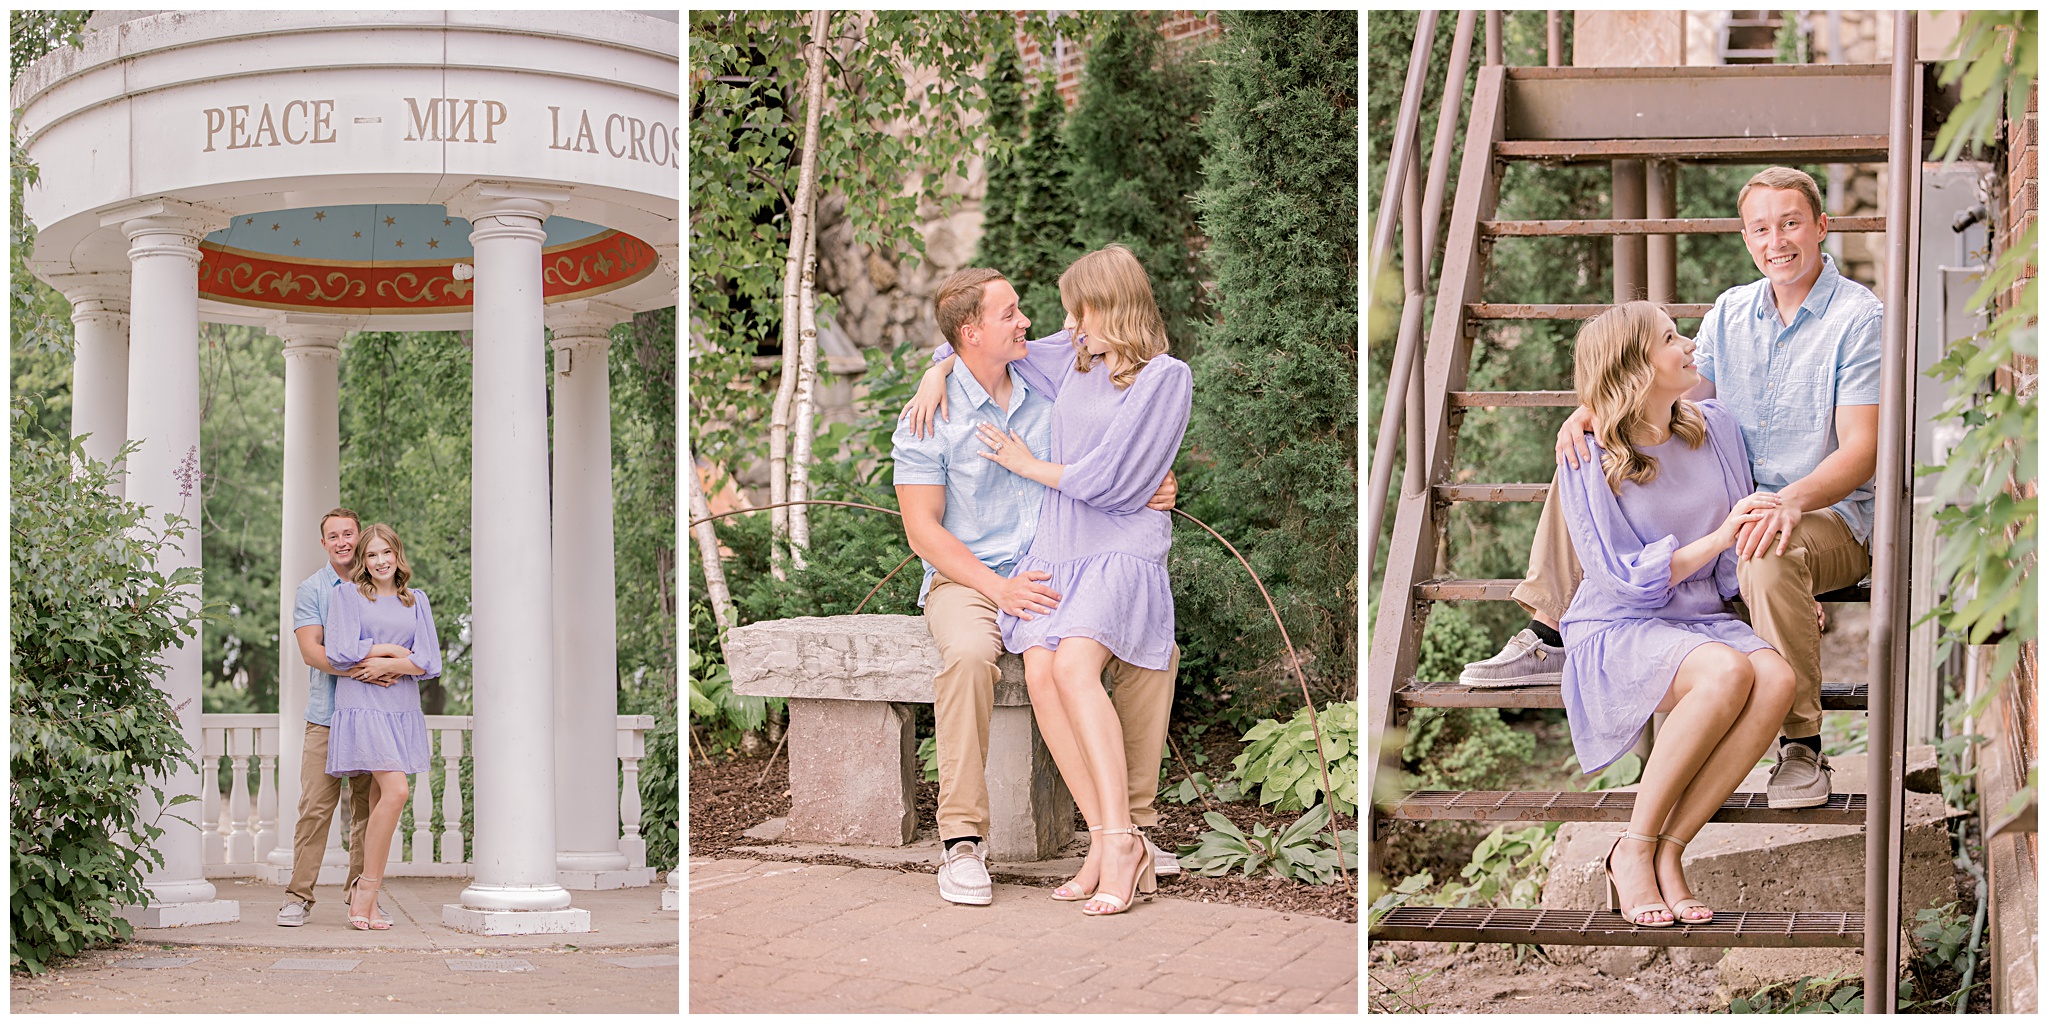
(239,831)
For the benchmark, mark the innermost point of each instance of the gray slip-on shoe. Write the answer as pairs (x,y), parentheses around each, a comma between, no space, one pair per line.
(1799,779)
(1525,661)
(294,913)
(963,875)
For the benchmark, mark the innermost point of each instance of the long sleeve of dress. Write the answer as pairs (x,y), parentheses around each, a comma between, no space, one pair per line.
(1634,571)
(1121,474)
(346,644)
(426,640)
(1726,437)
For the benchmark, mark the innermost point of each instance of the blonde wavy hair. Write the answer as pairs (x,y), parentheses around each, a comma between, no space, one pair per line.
(1111,286)
(359,566)
(1613,373)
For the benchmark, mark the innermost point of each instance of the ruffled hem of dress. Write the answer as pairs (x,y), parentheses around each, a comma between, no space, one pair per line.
(1143,604)
(1593,648)
(364,740)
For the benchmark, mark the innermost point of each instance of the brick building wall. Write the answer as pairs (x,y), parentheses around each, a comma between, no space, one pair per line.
(1180,28)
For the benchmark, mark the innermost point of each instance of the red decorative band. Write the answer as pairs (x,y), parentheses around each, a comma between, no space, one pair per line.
(601,263)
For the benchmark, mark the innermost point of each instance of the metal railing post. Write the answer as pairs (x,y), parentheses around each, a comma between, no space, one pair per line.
(1880,909)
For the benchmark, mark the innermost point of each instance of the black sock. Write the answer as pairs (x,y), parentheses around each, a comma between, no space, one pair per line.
(1809,742)
(950,843)
(1546,634)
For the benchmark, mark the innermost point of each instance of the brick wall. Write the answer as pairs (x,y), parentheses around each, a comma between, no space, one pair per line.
(1180,28)
(2022,210)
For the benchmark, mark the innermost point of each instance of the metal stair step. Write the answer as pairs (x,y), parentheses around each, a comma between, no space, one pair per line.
(1673,226)
(1607,928)
(1503,590)
(1524,805)
(1571,310)
(1787,149)
(1493,492)
(1833,696)
(1502,399)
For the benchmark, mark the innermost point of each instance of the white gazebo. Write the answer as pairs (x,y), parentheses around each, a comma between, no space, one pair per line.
(317,173)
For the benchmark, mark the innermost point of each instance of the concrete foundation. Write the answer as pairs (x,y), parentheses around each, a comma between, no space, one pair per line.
(514,922)
(183,915)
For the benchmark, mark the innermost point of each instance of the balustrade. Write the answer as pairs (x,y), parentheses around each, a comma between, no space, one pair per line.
(241,830)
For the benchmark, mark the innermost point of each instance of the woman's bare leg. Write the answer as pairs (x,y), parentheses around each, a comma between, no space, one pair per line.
(1077,671)
(387,802)
(1709,692)
(1735,757)
(1056,727)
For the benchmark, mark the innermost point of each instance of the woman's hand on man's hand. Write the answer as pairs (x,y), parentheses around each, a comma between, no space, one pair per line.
(379,671)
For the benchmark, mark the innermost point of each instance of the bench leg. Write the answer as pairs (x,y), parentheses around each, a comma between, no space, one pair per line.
(850,772)
(1031,814)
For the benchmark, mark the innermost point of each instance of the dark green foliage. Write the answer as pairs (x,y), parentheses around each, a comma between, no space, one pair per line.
(241,439)
(405,461)
(643,399)
(1270,458)
(1030,216)
(89,730)
(31,34)
(37,315)
(1000,206)
(1136,160)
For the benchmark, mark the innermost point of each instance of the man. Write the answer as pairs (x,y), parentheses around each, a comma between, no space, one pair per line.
(1795,356)
(970,520)
(319,792)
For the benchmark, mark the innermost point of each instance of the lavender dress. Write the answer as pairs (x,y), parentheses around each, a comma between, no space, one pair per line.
(378,728)
(1628,629)
(1105,551)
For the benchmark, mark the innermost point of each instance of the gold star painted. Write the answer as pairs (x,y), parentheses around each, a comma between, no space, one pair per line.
(295,243)
(359,234)
(433,243)
(273,227)
(445,222)
(389,221)
(321,215)
(399,243)
(249,220)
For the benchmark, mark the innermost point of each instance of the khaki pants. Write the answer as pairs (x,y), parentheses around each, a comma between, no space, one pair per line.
(963,622)
(319,792)
(1821,556)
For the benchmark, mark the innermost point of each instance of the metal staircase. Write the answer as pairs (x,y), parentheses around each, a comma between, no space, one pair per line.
(1629,116)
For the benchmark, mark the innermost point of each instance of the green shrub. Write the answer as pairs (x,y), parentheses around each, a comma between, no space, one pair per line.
(1281,760)
(1465,748)
(92,618)
(660,789)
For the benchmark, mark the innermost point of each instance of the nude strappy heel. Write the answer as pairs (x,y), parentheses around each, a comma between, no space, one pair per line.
(1064,893)
(1679,908)
(1147,881)
(1634,914)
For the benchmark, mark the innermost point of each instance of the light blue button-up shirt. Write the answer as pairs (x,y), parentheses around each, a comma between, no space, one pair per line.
(309,608)
(991,510)
(1784,381)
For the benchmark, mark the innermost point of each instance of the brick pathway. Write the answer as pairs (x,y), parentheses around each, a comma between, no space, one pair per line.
(768,936)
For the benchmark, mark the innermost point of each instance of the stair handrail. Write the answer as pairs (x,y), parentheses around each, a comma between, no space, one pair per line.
(1883,825)
(1415,284)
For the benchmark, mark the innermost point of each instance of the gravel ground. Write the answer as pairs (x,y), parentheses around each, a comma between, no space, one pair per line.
(726,799)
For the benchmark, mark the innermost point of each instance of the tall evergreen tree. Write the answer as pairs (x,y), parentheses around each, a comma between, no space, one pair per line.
(999,207)
(1046,213)
(1275,430)
(1136,161)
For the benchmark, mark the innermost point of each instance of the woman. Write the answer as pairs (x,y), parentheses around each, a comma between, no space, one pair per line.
(1653,520)
(1120,407)
(381,633)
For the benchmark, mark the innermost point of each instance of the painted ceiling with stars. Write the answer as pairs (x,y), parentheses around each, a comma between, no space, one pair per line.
(395,259)
(370,234)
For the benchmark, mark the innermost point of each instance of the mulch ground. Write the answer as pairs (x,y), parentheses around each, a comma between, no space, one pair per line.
(729,795)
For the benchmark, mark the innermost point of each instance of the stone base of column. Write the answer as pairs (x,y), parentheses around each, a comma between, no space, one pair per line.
(591,881)
(182,915)
(514,922)
(671,897)
(850,772)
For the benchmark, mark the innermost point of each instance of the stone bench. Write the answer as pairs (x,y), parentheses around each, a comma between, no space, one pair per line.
(853,763)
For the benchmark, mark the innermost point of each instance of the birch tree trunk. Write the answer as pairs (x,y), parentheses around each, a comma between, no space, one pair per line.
(806,406)
(707,551)
(806,203)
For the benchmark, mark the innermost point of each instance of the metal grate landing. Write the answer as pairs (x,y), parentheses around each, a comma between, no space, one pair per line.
(1833,696)
(1524,805)
(1607,928)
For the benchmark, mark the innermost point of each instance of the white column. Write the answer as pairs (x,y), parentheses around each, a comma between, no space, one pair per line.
(587,853)
(514,890)
(99,362)
(164,474)
(312,485)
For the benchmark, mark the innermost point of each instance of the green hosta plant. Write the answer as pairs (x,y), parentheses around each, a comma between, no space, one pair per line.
(1297,852)
(1280,759)
(1507,869)
(1808,995)
(928,758)
(1196,785)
